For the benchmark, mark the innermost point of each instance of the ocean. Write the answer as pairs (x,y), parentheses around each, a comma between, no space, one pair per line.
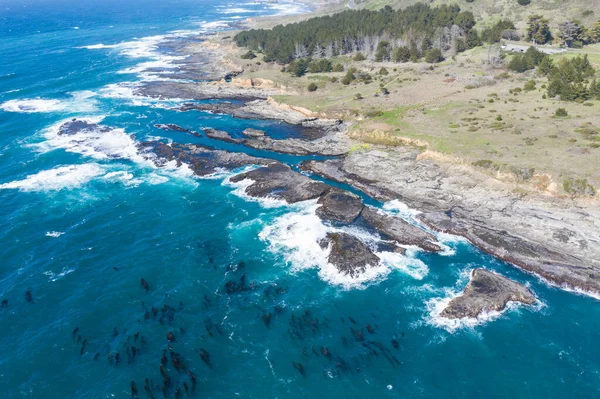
(84,218)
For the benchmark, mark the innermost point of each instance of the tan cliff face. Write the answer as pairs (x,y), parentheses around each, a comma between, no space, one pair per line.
(254,82)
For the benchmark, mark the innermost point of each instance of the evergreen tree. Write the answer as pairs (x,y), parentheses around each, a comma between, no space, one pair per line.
(473,39)
(401,54)
(538,29)
(570,32)
(383,51)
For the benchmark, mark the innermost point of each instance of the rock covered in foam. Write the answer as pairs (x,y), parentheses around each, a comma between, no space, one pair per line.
(340,206)
(348,254)
(399,230)
(201,160)
(75,126)
(487,291)
(279,181)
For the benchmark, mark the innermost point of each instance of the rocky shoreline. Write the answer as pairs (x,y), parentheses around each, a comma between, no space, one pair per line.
(553,238)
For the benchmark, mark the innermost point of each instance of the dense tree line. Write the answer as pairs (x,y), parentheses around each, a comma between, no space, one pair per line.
(573,80)
(376,34)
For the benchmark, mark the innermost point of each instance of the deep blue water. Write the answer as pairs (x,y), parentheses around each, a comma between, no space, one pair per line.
(83,219)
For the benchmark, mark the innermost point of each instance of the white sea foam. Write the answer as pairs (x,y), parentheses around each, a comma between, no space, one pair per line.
(240,190)
(400,209)
(236,11)
(296,236)
(54,234)
(56,276)
(79,102)
(95,142)
(63,177)
(32,105)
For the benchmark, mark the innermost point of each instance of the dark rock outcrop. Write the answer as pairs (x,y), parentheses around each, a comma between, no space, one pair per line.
(75,126)
(221,135)
(348,254)
(201,160)
(280,181)
(487,291)
(399,230)
(253,133)
(176,128)
(340,206)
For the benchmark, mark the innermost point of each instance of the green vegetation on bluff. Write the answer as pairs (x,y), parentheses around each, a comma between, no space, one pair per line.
(418,28)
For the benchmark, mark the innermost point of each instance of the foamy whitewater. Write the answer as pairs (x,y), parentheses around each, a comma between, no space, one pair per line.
(86,216)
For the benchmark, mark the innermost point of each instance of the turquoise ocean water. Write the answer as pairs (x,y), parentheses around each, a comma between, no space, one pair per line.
(83,219)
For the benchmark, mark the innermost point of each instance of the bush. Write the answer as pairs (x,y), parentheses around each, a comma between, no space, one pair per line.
(298,67)
(358,96)
(338,68)
(319,66)
(383,72)
(578,187)
(529,86)
(249,55)
(348,78)
(561,113)
(433,56)
(373,114)
(401,54)
(359,57)
(524,2)
(312,87)
(384,91)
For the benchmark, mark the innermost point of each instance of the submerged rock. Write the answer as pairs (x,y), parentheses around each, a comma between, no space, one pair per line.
(340,206)
(280,181)
(201,160)
(348,254)
(487,291)
(399,230)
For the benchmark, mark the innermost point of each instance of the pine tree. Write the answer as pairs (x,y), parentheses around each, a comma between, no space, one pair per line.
(538,29)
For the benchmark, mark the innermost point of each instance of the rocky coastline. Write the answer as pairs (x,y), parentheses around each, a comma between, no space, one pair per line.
(553,238)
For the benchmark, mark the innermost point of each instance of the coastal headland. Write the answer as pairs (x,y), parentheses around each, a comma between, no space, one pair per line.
(413,142)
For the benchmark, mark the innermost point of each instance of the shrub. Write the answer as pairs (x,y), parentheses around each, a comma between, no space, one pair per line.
(524,2)
(333,80)
(312,87)
(578,187)
(348,78)
(338,68)
(401,54)
(249,55)
(561,113)
(529,86)
(384,91)
(486,164)
(319,66)
(359,57)
(383,72)
(433,56)
(298,67)
(373,114)
(358,96)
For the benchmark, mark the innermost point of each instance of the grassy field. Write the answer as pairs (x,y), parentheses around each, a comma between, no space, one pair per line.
(461,108)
